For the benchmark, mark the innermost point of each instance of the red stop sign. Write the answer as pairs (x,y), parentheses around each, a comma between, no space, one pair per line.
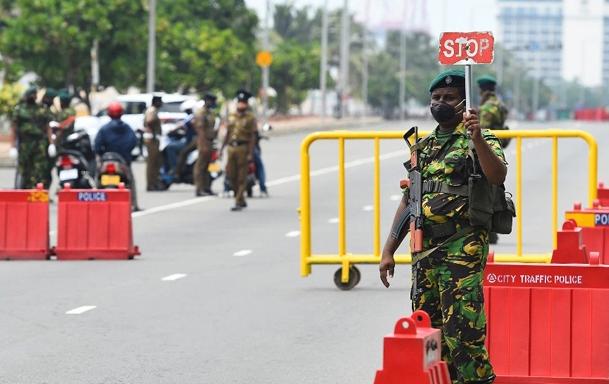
(466,48)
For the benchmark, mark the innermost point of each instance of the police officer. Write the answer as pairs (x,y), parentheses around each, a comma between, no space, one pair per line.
(152,126)
(205,122)
(447,274)
(30,139)
(118,137)
(493,112)
(240,138)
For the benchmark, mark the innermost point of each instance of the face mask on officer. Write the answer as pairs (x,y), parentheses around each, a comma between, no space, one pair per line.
(444,113)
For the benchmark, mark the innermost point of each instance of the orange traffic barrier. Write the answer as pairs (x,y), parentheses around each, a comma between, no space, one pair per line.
(602,194)
(24,224)
(412,353)
(95,224)
(570,248)
(548,323)
(594,223)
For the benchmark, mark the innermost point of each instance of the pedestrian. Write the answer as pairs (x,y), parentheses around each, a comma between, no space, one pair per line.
(447,271)
(493,111)
(30,142)
(205,123)
(118,137)
(152,134)
(240,138)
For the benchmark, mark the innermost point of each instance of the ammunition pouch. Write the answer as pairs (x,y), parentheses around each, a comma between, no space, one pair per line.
(437,231)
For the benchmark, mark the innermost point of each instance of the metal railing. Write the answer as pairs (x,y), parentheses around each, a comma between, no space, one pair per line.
(346,259)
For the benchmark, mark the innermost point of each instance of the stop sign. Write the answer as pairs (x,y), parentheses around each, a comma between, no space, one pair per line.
(466,48)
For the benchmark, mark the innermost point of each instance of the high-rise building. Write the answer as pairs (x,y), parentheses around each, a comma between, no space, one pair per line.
(533,31)
(558,39)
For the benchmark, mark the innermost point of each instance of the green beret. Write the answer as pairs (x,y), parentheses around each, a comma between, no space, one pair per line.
(50,92)
(486,79)
(64,96)
(454,77)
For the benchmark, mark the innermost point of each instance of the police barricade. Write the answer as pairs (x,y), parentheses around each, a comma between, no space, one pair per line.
(412,354)
(548,323)
(348,275)
(594,225)
(24,224)
(95,224)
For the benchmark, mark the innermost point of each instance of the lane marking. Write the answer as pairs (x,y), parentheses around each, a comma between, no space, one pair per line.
(333,220)
(174,277)
(81,310)
(280,181)
(396,197)
(292,234)
(243,252)
(368,208)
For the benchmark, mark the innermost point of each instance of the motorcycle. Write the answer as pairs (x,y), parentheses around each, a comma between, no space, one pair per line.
(75,161)
(113,170)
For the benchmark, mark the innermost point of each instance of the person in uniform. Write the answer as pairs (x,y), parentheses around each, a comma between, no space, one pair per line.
(205,126)
(30,139)
(65,117)
(448,272)
(493,112)
(152,127)
(240,138)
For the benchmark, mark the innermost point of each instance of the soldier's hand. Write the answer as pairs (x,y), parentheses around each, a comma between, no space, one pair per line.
(52,150)
(386,268)
(13,153)
(472,124)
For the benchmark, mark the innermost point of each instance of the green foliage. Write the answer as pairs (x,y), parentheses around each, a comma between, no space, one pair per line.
(9,96)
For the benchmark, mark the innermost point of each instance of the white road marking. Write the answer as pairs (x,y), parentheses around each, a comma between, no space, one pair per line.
(174,277)
(283,180)
(292,234)
(81,310)
(368,208)
(396,197)
(333,220)
(243,252)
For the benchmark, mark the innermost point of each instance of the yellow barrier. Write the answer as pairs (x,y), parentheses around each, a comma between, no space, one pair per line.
(346,260)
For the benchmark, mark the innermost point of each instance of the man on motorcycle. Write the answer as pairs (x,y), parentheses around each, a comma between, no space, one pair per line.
(181,141)
(118,137)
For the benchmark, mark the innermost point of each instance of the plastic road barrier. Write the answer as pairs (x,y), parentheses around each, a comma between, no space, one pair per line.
(548,323)
(24,224)
(95,224)
(412,354)
(594,223)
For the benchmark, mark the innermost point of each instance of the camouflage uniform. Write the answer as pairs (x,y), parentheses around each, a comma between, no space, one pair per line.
(447,283)
(33,163)
(493,114)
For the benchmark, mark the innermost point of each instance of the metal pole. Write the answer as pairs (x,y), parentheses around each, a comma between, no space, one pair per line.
(468,87)
(536,80)
(265,70)
(365,60)
(151,45)
(402,93)
(324,58)
(344,57)
(95,65)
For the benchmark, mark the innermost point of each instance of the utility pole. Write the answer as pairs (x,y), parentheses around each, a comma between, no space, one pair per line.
(365,60)
(265,69)
(323,70)
(403,64)
(95,66)
(344,58)
(151,46)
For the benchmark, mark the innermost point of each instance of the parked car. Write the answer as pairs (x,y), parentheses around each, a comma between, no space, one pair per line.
(135,106)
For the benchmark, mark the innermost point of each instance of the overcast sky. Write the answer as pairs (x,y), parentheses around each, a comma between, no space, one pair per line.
(435,15)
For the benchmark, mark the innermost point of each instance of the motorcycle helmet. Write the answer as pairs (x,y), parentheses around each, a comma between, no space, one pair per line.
(115,110)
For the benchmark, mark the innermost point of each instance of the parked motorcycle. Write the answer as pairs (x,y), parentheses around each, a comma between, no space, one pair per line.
(75,161)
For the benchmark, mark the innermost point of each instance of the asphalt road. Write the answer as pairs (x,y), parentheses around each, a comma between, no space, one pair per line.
(216,296)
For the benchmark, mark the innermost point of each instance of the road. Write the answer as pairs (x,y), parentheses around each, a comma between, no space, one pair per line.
(216,296)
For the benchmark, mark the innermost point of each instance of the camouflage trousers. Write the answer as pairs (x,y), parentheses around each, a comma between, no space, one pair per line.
(447,285)
(34,165)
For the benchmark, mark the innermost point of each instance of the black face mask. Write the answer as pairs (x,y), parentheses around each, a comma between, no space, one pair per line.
(444,113)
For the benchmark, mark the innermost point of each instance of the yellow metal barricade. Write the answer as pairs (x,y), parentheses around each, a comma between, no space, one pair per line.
(347,260)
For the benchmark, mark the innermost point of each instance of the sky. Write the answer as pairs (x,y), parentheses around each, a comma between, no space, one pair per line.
(435,15)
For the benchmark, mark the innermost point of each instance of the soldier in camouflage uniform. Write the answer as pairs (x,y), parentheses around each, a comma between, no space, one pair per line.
(493,112)
(447,274)
(30,134)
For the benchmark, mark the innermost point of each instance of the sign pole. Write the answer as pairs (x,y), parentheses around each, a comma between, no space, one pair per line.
(468,87)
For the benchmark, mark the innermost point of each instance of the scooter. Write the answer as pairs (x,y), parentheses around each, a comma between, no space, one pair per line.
(75,161)
(113,170)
